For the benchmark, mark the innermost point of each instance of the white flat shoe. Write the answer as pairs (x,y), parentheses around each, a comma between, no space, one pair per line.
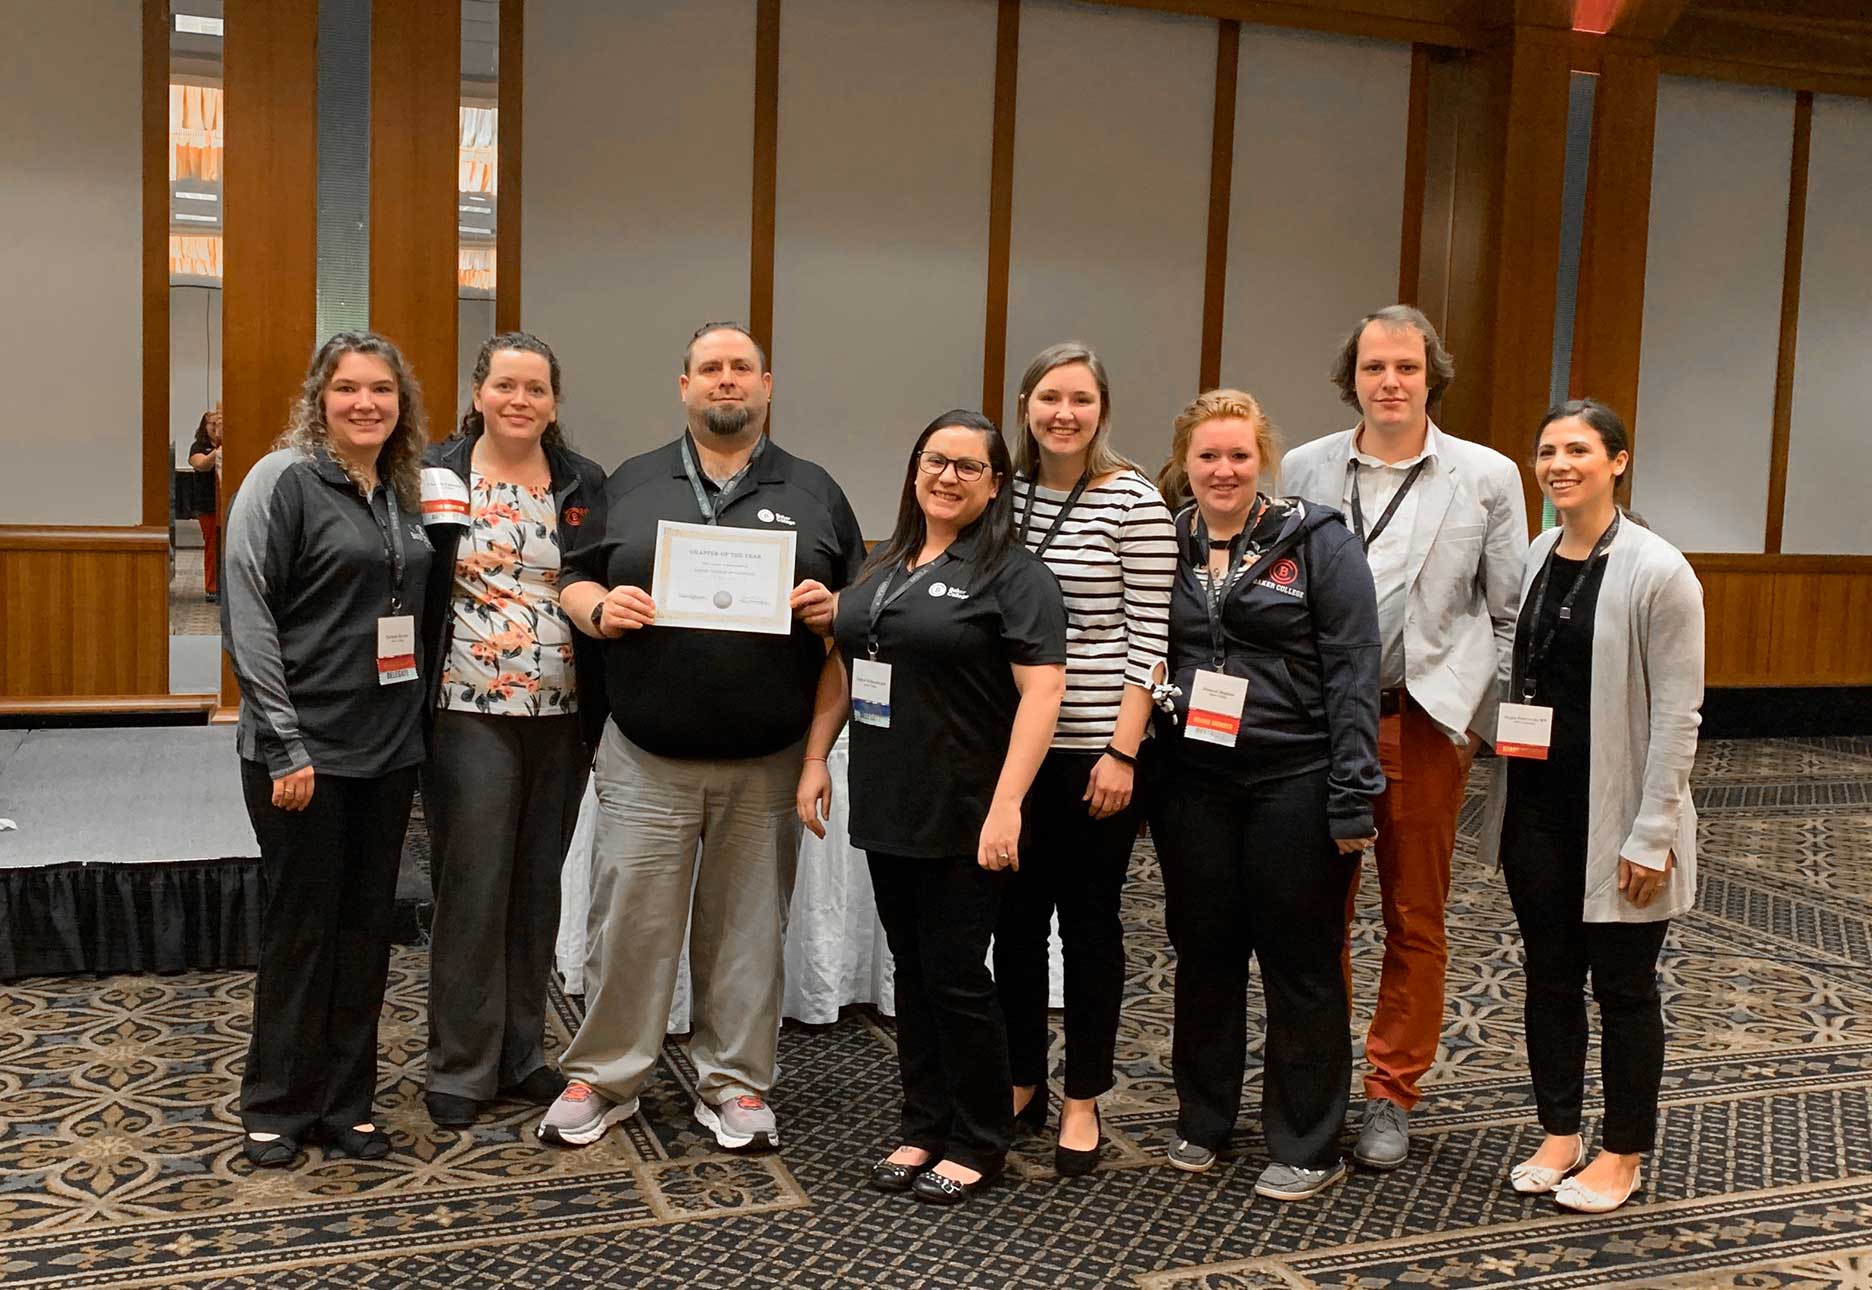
(1531,1179)
(1572,1195)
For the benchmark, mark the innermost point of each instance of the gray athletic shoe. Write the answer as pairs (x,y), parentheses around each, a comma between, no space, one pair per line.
(745,1121)
(581,1115)
(1385,1140)
(1189,1157)
(1291,1182)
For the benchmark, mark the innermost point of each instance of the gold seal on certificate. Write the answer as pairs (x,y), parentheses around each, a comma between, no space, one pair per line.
(723,579)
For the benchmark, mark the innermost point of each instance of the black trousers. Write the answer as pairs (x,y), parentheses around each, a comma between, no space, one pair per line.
(938,916)
(501,795)
(1253,871)
(1544,862)
(327,899)
(1075,864)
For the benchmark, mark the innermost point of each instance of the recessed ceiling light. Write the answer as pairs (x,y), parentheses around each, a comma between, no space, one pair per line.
(196,25)
(197,197)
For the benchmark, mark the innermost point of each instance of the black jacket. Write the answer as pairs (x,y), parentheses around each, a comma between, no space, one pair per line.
(1300,623)
(578,488)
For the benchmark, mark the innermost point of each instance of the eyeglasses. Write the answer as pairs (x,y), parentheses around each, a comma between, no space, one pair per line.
(967,469)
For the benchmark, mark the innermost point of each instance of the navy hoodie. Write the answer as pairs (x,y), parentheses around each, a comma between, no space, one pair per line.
(1300,624)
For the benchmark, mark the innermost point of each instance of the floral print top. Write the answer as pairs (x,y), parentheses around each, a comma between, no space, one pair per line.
(511,652)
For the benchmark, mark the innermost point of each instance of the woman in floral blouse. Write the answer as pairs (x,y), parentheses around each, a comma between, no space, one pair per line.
(518,711)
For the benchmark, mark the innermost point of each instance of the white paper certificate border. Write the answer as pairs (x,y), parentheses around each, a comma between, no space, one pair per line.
(778,547)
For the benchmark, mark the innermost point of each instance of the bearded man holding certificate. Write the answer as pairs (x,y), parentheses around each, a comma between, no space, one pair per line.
(710,576)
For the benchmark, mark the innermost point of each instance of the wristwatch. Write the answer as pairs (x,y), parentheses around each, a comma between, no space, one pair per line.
(597,616)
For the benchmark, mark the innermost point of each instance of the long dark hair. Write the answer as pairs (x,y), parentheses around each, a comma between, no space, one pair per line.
(526,342)
(399,461)
(995,524)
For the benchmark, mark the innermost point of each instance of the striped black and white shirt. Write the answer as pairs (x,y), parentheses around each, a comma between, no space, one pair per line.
(1115,557)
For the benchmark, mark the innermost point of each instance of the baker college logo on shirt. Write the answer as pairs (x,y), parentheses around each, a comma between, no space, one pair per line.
(1282,578)
(766,516)
(941,589)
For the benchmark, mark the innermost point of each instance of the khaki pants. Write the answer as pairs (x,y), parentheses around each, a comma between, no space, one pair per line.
(727,832)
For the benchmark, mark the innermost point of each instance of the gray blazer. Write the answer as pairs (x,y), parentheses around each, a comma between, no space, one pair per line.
(1647,687)
(1466,551)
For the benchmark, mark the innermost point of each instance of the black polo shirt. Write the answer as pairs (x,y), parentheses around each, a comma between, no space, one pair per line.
(923,786)
(680,692)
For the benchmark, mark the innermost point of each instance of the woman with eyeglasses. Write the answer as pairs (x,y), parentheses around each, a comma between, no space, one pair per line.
(954,640)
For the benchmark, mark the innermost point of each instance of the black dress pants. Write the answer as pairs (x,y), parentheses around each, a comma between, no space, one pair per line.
(501,794)
(1544,862)
(938,916)
(1075,864)
(1253,871)
(327,900)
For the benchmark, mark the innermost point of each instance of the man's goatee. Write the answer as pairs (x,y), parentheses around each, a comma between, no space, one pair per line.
(726,420)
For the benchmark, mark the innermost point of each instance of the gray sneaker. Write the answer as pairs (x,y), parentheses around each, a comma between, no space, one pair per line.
(581,1115)
(1291,1182)
(745,1121)
(1189,1157)
(1385,1140)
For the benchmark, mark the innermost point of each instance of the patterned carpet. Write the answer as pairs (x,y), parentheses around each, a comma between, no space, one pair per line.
(119,1160)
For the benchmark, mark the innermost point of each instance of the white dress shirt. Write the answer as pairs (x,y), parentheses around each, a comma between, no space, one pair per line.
(1389,554)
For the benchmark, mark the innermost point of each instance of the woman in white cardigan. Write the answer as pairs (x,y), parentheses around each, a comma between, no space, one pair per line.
(1591,820)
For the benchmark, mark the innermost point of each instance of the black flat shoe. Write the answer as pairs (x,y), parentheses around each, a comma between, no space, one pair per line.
(277,1154)
(1072,1163)
(1032,1118)
(541,1087)
(933,1188)
(888,1176)
(452,1112)
(358,1144)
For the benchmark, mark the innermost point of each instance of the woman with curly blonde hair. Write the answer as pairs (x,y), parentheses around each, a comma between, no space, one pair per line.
(322,617)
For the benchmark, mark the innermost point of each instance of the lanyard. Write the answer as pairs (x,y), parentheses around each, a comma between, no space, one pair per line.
(1537,656)
(1397,498)
(1216,592)
(392,535)
(1072,498)
(885,598)
(712,507)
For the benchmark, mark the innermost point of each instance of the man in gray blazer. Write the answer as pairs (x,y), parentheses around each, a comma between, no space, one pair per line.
(1445,533)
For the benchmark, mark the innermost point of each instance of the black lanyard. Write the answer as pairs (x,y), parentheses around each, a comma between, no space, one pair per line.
(712,507)
(1216,593)
(1537,655)
(885,598)
(1072,498)
(392,535)
(1397,499)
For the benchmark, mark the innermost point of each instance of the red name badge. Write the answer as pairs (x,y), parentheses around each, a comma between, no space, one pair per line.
(396,649)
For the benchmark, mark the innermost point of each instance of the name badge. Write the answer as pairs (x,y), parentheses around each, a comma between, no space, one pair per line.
(871,702)
(1215,708)
(444,496)
(396,649)
(1524,730)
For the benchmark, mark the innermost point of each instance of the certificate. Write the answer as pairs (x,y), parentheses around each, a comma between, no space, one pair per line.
(723,579)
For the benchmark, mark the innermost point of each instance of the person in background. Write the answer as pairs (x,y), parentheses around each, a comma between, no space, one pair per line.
(204,457)
(955,642)
(1593,824)
(1263,796)
(1102,529)
(1444,530)
(520,707)
(322,617)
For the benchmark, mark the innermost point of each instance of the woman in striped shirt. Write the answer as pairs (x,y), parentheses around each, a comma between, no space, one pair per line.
(1101,527)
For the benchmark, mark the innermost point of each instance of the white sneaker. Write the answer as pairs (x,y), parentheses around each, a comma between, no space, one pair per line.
(581,1115)
(740,1122)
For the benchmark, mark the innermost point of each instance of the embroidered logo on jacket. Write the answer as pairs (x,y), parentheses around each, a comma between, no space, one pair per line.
(1282,578)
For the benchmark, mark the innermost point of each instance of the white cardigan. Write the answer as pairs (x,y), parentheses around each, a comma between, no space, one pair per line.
(1647,687)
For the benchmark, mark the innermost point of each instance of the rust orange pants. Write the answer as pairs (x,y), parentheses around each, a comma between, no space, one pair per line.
(1416,819)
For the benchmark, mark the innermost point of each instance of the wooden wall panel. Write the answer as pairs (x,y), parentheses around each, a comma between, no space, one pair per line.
(84,611)
(508,159)
(1787,620)
(415,173)
(158,467)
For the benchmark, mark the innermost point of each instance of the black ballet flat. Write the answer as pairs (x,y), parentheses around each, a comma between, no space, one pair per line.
(1073,1163)
(933,1188)
(889,1176)
(1032,1118)
(277,1154)
(358,1144)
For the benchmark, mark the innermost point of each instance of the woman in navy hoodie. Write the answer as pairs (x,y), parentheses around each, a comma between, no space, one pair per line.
(1261,804)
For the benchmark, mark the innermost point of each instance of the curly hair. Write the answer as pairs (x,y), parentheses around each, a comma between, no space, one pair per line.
(1213,405)
(523,342)
(399,461)
(1439,367)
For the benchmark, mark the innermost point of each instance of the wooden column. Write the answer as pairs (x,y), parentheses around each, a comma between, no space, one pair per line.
(1000,208)
(415,158)
(507,226)
(158,465)
(1221,184)
(270,248)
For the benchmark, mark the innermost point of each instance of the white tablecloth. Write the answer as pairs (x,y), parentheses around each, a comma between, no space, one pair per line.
(835,950)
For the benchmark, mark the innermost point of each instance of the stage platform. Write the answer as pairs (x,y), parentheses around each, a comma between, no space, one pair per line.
(131,851)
